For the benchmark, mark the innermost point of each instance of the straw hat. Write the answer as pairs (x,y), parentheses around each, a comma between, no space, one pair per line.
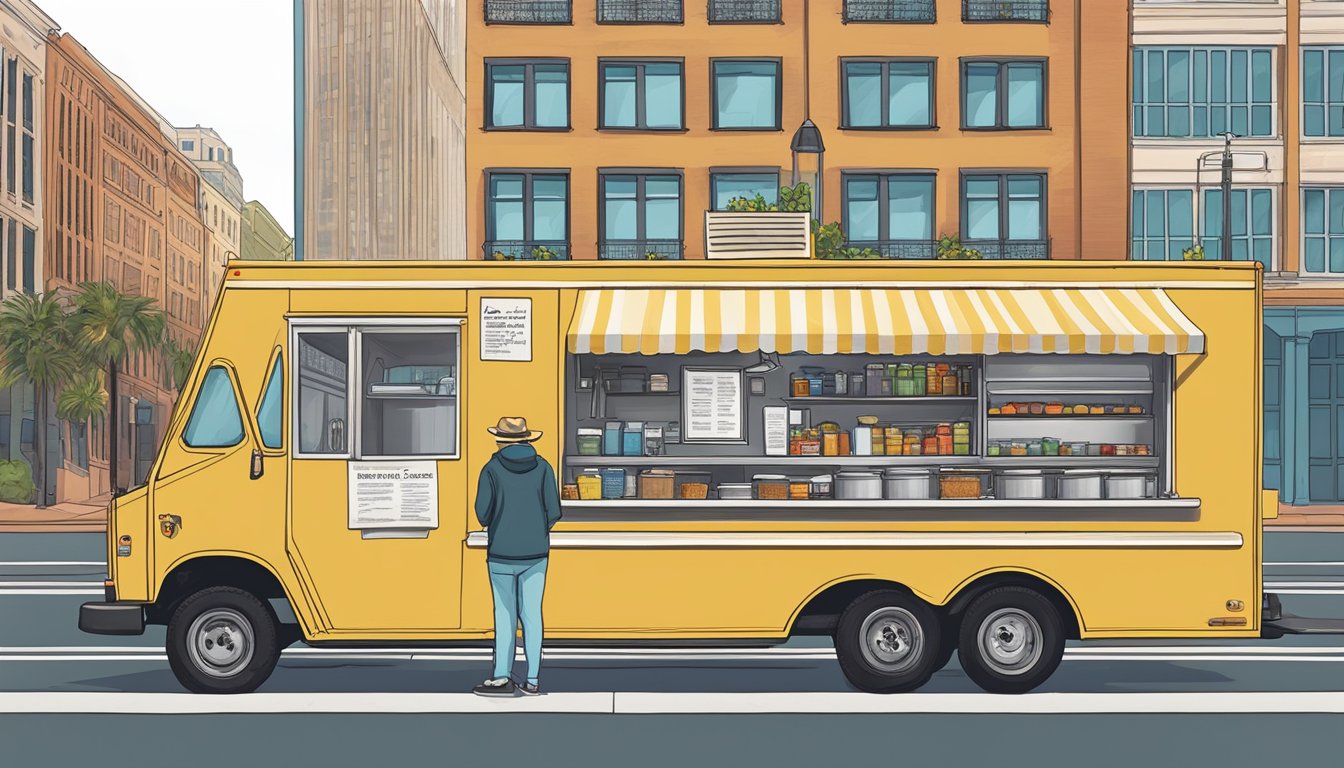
(513,429)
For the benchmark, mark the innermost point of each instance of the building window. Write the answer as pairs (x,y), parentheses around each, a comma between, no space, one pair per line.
(1162,224)
(1004,94)
(641,216)
(1003,215)
(28,168)
(747,94)
(917,11)
(746,184)
(527,12)
(1203,92)
(891,212)
(29,259)
(1165,221)
(27,101)
(1323,230)
(527,215)
(744,11)
(1005,10)
(527,94)
(639,12)
(1323,92)
(641,94)
(188,145)
(892,93)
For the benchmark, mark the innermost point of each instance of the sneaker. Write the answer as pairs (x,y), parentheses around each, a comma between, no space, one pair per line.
(529,689)
(502,686)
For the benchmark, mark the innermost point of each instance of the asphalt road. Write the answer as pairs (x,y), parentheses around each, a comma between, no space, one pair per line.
(1244,702)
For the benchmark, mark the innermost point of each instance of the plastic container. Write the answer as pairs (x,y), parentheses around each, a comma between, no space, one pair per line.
(656,484)
(962,484)
(1049,446)
(857,385)
(873,375)
(799,387)
(590,485)
(770,487)
(632,439)
(613,483)
(921,376)
(734,491)
(611,439)
(589,442)
(653,441)
(821,487)
(692,477)
(816,378)
(569,492)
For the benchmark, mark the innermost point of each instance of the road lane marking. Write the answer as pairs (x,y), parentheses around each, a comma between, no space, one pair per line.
(51,583)
(1305,563)
(51,592)
(1292,702)
(49,563)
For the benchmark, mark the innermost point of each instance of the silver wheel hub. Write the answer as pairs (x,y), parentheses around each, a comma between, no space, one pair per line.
(1010,641)
(220,642)
(891,639)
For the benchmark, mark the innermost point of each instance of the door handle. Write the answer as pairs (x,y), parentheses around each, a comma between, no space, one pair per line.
(258,464)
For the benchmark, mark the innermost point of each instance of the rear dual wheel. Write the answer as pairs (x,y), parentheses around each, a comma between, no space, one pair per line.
(888,641)
(1012,640)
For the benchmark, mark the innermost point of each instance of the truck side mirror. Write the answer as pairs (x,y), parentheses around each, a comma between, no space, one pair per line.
(258,463)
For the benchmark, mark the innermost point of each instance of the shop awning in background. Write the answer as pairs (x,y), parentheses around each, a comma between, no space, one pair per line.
(883,321)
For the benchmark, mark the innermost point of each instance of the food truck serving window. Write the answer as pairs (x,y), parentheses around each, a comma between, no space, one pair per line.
(406,384)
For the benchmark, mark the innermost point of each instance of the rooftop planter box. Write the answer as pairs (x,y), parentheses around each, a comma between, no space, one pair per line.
(758,235)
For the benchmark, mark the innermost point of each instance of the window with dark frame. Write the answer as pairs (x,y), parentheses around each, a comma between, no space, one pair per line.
(527,95)
(1003,214)
(527,215)
(745,183)
(639,12)
(641,215)
(891,212)
(887,93)
(641,94)
(746,94)
(528,12)
(1003,94)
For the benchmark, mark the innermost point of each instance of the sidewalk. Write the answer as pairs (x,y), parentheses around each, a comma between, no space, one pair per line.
(67,517)
(1317,515)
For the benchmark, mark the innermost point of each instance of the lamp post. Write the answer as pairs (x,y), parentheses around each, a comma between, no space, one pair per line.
(1226,182)
(134,403)
(809,150)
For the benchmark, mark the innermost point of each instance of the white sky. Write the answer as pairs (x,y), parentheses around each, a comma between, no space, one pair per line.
(226,64)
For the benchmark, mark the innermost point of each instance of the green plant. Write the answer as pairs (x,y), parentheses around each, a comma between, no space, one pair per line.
(543,253)
(655,256)
(950,247)
(796,199)
(177,362)
(1193,254)
(499,256)
(751,205)
(827,239)
(82,400)
(16,482)
(37,344)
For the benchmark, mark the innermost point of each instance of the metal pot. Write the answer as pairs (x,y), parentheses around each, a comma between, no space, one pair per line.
(1126,485)
(858,485)
(1021,484)
(905,484)
(1079,484)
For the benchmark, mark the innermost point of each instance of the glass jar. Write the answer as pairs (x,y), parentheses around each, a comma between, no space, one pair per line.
(993,449)
(966,379)
(1034,448)
(905,382)
(934,382)
(944,433)
(921,377)
(1049,446)
(1017,448)
(951,383)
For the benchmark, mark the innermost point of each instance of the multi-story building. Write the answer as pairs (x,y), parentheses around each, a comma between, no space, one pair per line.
(263,238)
(221,203)
(122,203)
(1272,74)
(607,128)
(381,157)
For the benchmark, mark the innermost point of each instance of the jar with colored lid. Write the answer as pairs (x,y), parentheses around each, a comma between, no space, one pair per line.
(921,379)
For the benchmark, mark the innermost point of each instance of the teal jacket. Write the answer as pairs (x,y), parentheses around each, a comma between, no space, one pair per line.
(518,502)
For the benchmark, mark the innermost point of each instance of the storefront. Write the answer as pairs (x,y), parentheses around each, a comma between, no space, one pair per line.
(729,397)
(1304,404)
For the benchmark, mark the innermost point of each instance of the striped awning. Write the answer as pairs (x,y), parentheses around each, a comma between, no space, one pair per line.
(883,321)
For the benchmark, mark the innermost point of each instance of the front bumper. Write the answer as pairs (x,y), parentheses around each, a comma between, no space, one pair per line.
(112,618)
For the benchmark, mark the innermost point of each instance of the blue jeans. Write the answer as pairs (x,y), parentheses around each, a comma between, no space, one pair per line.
(517,588)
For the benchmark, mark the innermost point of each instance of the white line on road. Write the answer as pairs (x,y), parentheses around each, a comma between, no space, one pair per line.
(4,592)
(1305,564)
(51,583)
(49,563)
(1296,702)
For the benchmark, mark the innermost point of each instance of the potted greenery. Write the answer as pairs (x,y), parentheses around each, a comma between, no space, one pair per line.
(828,242)
(751,228)
(950,247)
(543,253)
(1193,254)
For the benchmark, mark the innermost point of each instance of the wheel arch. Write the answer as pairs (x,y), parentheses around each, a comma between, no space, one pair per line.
(202,570)
(1011,576)
(820,611)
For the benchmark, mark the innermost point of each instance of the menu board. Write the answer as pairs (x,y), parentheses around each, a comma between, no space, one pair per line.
(712,405)
(775,422)
(506,329)
(394,494)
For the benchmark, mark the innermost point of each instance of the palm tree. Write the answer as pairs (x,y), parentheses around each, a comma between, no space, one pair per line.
(36,345)
(109,326)
(177,361)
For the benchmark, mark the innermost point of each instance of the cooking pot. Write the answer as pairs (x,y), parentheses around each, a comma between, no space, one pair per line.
(1079,484)
(858,485)
(906,484)
(1021,484)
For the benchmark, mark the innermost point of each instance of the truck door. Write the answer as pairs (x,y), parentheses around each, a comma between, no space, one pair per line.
(377,498)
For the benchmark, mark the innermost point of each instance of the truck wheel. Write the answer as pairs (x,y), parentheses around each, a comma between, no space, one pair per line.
(888,642)
(222,640)
(1012,640)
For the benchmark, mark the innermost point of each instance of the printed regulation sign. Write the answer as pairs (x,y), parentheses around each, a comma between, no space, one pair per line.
(394,494)
(506,329)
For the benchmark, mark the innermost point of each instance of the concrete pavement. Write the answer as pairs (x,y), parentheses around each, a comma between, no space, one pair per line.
(66,517)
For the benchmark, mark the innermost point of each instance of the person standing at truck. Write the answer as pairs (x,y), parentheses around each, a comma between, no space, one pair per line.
(518,502)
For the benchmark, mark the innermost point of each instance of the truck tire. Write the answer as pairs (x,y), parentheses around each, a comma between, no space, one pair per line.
(888,641)
(222,640)
(1012,640)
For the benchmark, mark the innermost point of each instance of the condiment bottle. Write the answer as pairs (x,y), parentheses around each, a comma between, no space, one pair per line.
(951,386)
(934,385)
(844,444)
(945,439)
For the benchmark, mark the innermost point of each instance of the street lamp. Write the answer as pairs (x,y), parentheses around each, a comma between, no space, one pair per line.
(809,160)
(133,402)
(1225,187)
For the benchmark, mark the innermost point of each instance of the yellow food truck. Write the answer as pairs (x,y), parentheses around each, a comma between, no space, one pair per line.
(916,459)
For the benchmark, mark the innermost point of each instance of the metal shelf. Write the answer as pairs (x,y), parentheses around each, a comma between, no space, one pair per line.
(862,400)
(407,396)
(1064,462)
(1067,393)
(1073,417)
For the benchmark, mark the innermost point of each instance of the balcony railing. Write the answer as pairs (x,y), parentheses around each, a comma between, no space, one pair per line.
(528,12)
(743,11)
(639,11)
(899,249)
(1005,10)
(633,250)
(1010,249)
(525,250)
(917,11)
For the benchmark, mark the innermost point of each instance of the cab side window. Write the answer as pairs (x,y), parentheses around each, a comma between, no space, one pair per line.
(409,402)
(323,357)
(216,421)
(268,413)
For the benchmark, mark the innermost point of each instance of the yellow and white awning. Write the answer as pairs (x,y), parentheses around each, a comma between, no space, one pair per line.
(883,321)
